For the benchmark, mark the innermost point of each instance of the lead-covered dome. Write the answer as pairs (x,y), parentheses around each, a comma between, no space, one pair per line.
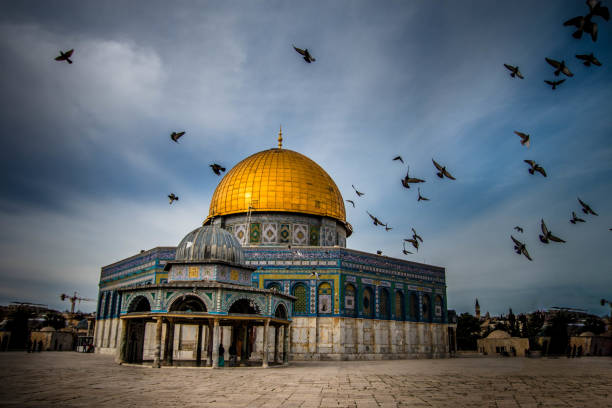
(278,180)
(209,243)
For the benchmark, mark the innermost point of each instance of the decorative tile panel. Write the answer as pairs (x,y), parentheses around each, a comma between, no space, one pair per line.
(240,232)
(255,233)
(300,234)
(285,233)
(314,235)
(270,233)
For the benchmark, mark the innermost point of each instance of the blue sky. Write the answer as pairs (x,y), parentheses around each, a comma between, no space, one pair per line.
(87,162)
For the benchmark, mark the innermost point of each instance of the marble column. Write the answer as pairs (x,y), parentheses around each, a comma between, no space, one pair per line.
(121,351)
(215,344)
(276,343)
(264,352)
(158,345)
(209,337)
(286,332)
(169,345)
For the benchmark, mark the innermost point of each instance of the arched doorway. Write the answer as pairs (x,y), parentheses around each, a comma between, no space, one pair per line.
(243,335)
(136,330)
(426,308)
(280,312)
(188,303)
(367,307)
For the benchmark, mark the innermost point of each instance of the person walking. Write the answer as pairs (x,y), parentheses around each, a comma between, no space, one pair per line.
(221,356)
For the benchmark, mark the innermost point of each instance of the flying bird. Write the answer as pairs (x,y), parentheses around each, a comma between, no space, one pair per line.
(65,56)
(514,71)
(376,220)
(442,171)
(304,52)
(524,138)
(596,9)
(175,136)
(554,84)
(388,228)
(416,236)
(352,202)
(583,24)
(575,218)
(586,208)
(588,59)
(359,193)
(559,67)
(520,248)
(407,180)
(547,235)
(217,169)
(413,241)
(535,167)
(421,198)
(379,252)
(406,252)
(519,229)
(172,197)
(399,158)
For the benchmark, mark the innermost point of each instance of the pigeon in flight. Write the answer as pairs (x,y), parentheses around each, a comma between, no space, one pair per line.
(586,208)
(520,248)
(175,136)
(217,169)
(172,197)
(524,138)
(387,227)
(575,218)
(405,252)
(376,220)
(359,193)
(519,229)
(583,24)
(442,171)
(514,71)
(535,167)
(304,52)
(548,236)
(589,59)
(65,56)
(399,158)
(559,67)
(352,202)
(554,84)
(414,242)
(407,180)
(416,236)
(421,198)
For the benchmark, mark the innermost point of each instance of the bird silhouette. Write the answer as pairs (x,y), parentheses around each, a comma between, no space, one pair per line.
(554,84)
(379,252)
(217,169)
(352,202)
(559,67)
(586,208)
(575,218)
(304,52)
(421,198)
(519,229)
(547,236)
(172,197)
(535,167)
(404,250)
(388,228)
(596,9)
(359,193)
(65,56)
(407,180)
(514,71)
(416,236)
(442,171)
(583,24)
(413,241)
(520,248)
(524,138)
(376,220)
(588,59)
(175,136)
(399,158)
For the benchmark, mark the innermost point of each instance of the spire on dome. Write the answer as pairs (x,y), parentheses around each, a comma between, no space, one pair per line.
(280,137)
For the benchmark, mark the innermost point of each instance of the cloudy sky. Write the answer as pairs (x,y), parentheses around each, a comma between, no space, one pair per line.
(87,162)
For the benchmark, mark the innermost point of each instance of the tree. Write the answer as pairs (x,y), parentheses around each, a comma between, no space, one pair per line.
(557,330)
(468,331)
(593,324)
(532,328)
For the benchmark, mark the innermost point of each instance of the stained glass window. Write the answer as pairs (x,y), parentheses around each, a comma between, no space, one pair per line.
(384,304)
(301,303)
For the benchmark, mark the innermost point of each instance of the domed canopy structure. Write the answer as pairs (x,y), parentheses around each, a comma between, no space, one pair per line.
(498,334)
(278,180)
(209,243)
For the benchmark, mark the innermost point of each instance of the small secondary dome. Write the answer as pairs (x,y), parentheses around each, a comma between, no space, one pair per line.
(209,243)
(498,334)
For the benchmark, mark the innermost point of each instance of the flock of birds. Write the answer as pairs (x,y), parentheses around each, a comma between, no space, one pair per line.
(583,24)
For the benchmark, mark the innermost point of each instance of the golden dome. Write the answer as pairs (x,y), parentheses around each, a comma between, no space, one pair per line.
(277,180)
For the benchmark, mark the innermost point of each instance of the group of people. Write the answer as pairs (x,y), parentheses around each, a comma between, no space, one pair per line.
(33,346)
(234,353)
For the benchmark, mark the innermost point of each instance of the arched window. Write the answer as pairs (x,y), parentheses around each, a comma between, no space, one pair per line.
(383,304)
(367,307)
(275,285)
(187,304)
(140,304)
(438,306)
(325,298)
(414,307)
(244,306)
(281,311)
(399,305)
(349,300)
(426,308)
(301,303)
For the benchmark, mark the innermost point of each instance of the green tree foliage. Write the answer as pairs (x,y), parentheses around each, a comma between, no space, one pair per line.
(532,328)
(468,331)
(593,324)
(558,332)
(55,320)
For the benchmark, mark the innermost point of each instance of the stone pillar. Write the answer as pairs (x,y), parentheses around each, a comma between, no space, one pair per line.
(158,339)
(121,351)
(264,351)
(209,337)
(245,338)
(276,343)
(286,332)
(215,344)
(169,346)
(199,346)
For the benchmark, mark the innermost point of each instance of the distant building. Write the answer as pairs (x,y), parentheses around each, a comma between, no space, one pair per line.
(592,344)
(501,343)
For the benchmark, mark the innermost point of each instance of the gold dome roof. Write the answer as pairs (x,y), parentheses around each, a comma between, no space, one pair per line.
(278,180)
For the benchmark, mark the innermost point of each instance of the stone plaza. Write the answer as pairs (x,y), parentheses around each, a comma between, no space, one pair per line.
(82,380)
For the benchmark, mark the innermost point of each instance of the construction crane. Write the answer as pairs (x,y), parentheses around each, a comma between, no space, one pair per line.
(73,299)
